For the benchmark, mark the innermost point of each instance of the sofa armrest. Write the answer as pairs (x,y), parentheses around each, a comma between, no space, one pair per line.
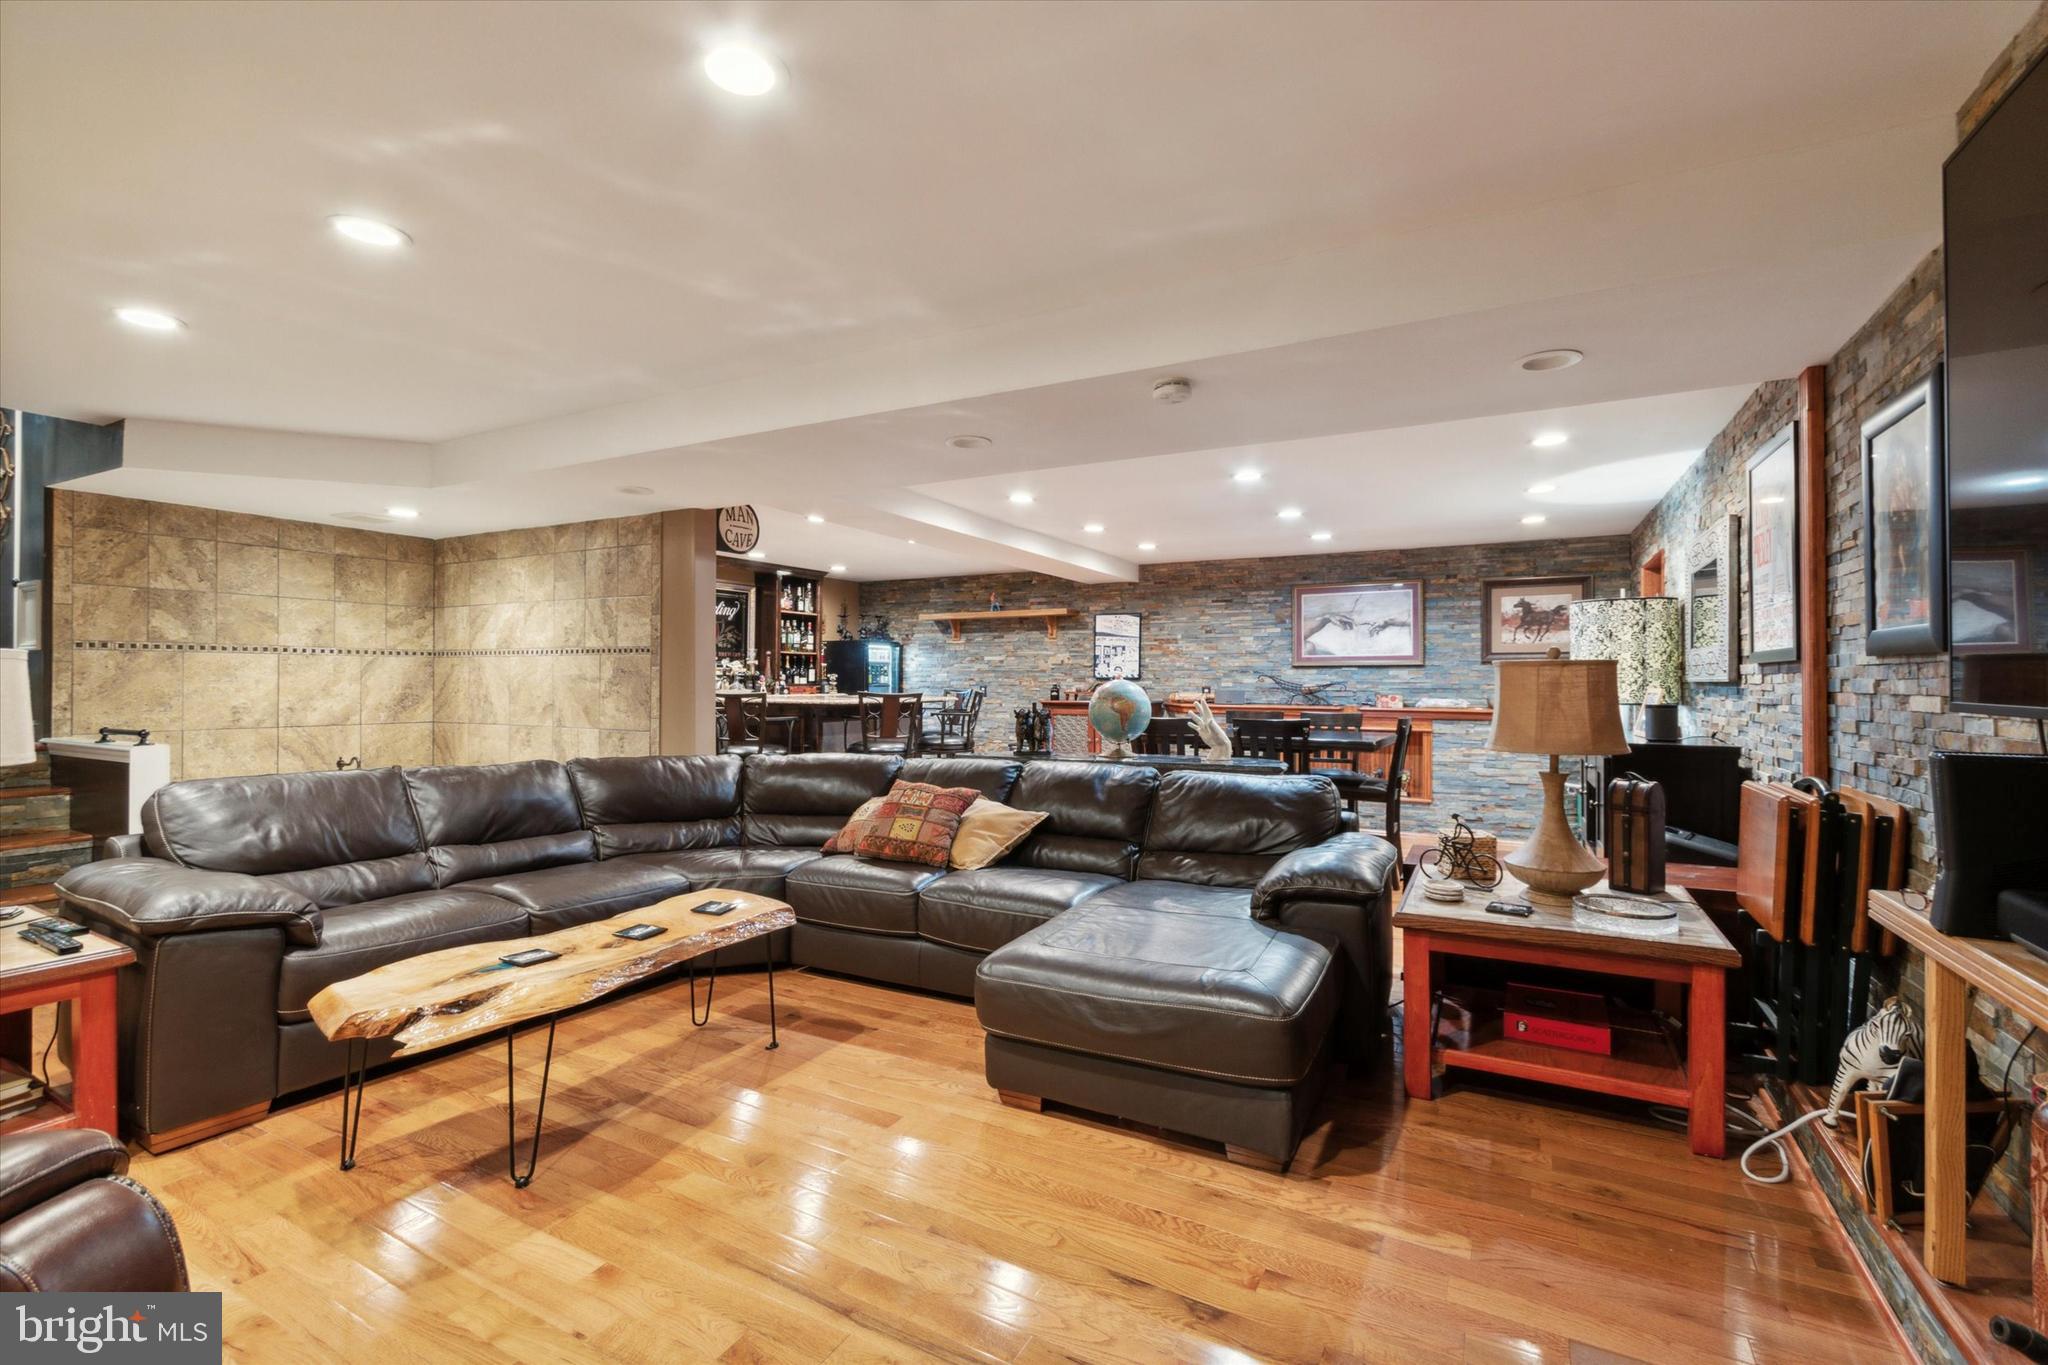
(1351,868)
(149,897)
(39,1166)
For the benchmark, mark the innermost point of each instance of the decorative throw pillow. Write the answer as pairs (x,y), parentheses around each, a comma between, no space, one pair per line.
(989,831)
(916,823)
(842,842)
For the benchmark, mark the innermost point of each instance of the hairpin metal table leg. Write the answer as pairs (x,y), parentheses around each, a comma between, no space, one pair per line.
(773,1041)
(709,991)
(540,1109)
(355,1062)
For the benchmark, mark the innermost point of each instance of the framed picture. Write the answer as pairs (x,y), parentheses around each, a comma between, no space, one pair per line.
(1365,625)
(1119,644)
(1905,551)
(1711,592)
(732,607)
(1774,549)
(1988,607)
(1524,618)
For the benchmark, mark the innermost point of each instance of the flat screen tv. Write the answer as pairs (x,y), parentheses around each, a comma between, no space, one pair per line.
(1995,236)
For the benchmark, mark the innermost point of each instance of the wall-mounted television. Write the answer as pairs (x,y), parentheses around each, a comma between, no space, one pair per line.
(1995,243)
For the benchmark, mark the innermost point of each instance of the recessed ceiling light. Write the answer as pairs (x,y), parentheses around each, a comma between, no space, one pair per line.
(1318,535)
(149,319)
(368,231)
(1534,519)
(403,513)
(837,568)
(638,490)
(1543,361)
(1093,528)
(814,519)
(968,442)
(741,70)
(1147,545)
(1289,514)
(1549,440)
(1537,490)
(908,541)
(757,554)
(1022,498)
(1246,476)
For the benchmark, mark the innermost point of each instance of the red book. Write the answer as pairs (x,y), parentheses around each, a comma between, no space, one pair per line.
(1554,1018)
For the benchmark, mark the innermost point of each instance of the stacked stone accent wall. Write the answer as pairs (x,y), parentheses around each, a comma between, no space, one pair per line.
(1223,623)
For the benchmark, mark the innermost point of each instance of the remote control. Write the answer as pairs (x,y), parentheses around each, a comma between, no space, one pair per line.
(1517,909)
(715,908)
(11,912)
(640,931)
(529,957)
(57,926)
(59,944)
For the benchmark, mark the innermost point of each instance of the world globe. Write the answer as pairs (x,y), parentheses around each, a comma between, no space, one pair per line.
(1119,710)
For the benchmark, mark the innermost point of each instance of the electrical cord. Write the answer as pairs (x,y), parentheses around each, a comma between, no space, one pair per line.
(1776,1141)
(2005,1081)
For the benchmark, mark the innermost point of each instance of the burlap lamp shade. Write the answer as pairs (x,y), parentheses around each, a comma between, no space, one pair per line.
(1556,706)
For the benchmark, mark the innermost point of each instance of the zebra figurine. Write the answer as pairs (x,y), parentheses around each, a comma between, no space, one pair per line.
(1874,1051)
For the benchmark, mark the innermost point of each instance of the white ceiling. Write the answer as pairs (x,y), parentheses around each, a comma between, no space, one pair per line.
(1336,218)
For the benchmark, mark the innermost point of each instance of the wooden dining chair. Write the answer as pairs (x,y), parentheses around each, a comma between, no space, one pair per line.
(1169,735)
(747,727)
(1381,789)
(890,723)
(1264,737)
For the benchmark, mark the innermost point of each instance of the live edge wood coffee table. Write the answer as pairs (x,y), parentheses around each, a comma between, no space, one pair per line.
(445,997)
(1686,952)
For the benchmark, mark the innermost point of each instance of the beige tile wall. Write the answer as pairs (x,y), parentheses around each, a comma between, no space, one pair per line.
(545,642)
(248,644)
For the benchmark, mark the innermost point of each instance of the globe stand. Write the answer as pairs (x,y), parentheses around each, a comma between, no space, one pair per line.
(1117,751)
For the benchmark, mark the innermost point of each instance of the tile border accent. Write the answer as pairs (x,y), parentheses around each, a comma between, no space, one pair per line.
(188,647)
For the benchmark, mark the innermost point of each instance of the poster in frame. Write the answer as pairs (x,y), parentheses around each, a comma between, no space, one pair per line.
(733,610)
(1360,625)
(1988,612)
(1119,644)
(1905,522)
(1773,536)
(1523,618)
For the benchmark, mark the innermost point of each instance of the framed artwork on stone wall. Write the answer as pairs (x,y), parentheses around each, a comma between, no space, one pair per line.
(1773,528)
(1905,516)
(1362,625)
(1523,618)
(1990,612)
(1119,644)
(1712,588)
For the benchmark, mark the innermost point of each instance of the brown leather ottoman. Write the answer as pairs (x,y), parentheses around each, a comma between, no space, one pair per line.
(1167,1004)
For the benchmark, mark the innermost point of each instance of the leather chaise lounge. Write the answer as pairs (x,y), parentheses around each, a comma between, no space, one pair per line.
(1187,950)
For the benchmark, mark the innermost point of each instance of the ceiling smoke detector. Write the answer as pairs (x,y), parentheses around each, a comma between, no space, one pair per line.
(1172,391)
(1542,362)
(969,442)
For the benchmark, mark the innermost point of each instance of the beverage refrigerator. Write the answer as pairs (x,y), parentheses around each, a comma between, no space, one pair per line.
(865,665)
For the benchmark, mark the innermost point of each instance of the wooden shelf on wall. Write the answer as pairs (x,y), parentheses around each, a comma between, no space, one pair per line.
(1052,617)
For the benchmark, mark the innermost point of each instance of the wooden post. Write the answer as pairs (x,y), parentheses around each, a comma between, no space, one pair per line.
(1814,683)
(1948,1008)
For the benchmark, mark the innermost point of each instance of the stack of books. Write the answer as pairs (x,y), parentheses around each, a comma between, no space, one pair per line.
(19,1092)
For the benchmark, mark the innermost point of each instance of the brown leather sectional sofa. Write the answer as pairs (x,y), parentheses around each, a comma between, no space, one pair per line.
(1188,950)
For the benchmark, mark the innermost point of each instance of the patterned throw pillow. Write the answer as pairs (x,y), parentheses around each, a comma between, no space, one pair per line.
(915,823)
(842,842)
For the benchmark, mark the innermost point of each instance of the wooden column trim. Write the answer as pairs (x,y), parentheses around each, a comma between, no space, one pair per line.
(1814,683)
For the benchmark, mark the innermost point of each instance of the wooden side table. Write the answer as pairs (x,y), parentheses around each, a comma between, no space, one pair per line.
(30,977)
(1687,952)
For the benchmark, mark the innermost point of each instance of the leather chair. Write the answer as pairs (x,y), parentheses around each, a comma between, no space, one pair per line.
(72,1222)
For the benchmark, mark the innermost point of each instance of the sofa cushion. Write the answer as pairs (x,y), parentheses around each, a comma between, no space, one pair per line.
(989,831)
(801,800)
(915,823)
(985,908)
(858,893)
(577,893)
(360,938)
(759,870)
(496,819)
(1096,815)
(331,837)
(654,805)
(1228,829)
(1205,990)
(992,777)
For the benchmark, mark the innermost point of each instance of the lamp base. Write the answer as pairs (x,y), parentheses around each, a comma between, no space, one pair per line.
(1553,865)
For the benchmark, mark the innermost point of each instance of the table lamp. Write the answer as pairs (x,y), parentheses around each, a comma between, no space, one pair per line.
(1556,706)
(1645,639)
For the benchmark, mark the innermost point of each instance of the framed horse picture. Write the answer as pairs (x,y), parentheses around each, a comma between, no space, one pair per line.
(1524,618)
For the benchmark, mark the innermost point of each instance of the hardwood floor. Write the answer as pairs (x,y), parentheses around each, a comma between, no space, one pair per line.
(862,1195)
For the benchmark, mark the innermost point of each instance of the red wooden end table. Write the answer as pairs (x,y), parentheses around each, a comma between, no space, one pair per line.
(1687,953)
(30,977)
